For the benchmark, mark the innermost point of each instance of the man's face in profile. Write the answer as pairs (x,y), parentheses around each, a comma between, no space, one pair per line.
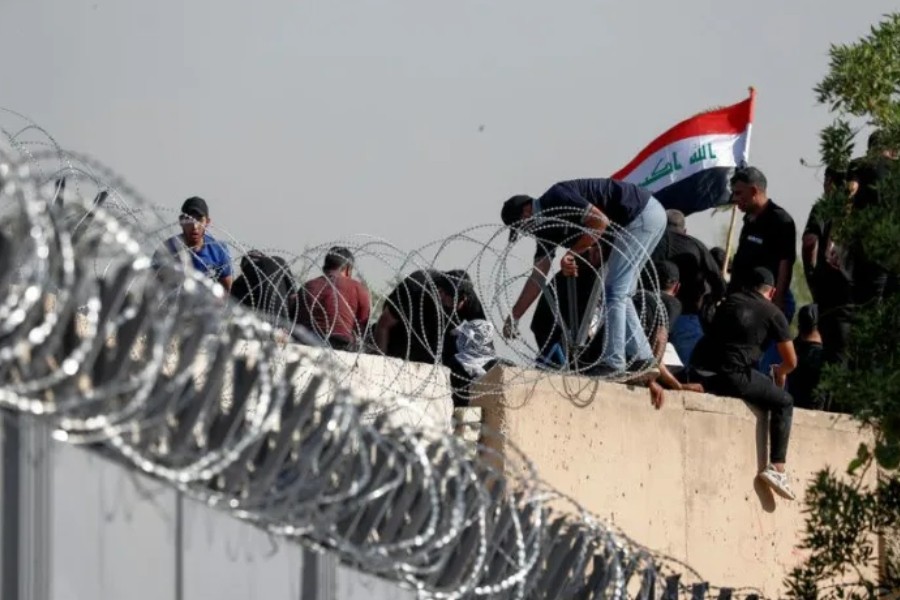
(744,195)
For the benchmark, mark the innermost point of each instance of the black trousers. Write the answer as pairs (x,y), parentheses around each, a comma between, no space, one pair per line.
(835,326)
(760,391)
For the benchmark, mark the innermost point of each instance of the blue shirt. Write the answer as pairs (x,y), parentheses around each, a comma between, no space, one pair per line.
(568,201)
(212,259)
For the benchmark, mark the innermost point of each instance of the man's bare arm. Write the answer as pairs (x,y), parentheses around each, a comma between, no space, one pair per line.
(782,282)
(788,362)
(596,222)
(810,250)
(532,288)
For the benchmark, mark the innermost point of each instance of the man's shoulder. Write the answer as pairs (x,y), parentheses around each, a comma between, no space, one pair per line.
(672,303)
(689,241)
(212,242)
(215,247)
(311,285)
(778,213)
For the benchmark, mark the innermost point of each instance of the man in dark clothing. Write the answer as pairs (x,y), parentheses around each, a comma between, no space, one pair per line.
(335,306)
(267,286)
(870,279)
(768,238)
(552,325)
(419,313)
(726,358)
(574,215)
(803,381)
(700,277)
(829,284)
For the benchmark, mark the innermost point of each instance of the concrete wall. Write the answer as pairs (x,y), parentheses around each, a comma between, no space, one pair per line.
(98,531)
(681,480)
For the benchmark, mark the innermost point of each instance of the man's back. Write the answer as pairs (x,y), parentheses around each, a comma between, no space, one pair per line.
(335,306)
(619,200)
(745,323)
(699,274)
(265,285)
(423,321)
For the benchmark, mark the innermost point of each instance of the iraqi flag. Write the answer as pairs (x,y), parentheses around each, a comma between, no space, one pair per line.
(688,168)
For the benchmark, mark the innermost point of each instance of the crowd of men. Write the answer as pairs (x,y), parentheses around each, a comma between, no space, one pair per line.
(632,284)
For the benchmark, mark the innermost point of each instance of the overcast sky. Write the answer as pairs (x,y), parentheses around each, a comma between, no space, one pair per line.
(306,121)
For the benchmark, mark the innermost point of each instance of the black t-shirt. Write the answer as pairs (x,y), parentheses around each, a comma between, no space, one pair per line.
(698,271)
(745,324)
(424,322)
(565,204)
(416,304)
(804,379)
(764,242)
(649,305)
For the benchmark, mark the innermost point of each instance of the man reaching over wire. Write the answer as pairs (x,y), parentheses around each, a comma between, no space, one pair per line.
(574,215)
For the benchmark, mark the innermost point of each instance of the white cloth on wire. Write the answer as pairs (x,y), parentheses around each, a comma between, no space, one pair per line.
(474,346)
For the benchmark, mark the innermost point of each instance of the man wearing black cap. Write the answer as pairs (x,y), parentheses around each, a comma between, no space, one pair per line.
(574,215)
(701,282)
(196,247)
(726,359)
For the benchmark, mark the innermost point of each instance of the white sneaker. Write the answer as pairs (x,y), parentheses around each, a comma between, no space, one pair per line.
(778,481)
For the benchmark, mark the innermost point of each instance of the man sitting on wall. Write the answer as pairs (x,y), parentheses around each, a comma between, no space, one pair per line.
(726,361)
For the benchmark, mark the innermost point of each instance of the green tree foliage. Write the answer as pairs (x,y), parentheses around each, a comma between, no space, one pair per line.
(844,517)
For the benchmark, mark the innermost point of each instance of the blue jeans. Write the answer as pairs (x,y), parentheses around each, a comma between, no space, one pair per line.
(771,356)
(686,332)
(623,335)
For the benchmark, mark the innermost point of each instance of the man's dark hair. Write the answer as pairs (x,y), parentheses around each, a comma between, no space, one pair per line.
(876,140)
(511,213)
(750,176)
(338,257)
(457,284)
(668,273)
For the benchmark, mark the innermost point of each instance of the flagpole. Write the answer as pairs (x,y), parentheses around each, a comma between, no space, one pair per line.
(729,244)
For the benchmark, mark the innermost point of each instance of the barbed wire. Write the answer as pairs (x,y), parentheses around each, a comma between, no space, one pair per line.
(154,365)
